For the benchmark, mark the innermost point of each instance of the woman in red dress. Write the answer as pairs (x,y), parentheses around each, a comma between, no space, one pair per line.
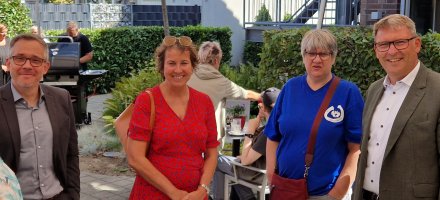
(182,145)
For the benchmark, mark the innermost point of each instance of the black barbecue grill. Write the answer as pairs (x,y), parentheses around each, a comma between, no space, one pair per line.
(65,72)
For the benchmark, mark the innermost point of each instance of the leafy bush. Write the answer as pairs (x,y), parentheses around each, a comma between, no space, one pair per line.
(246,76)
(430,54)
(281,56)
(251,52)
(15,16)
(286,17)
(126,90)
(126,50)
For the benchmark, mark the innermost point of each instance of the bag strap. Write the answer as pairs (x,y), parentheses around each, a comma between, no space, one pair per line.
(318,118)
(152,109)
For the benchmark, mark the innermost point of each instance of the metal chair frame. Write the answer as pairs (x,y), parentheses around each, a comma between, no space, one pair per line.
(261,189)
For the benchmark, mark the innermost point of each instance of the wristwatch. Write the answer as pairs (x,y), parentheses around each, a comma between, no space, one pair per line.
(205,187)
(249,135)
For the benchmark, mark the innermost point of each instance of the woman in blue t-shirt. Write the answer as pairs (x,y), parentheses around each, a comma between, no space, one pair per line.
(337,146)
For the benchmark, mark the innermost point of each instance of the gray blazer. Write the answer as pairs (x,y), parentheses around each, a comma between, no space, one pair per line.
(411,165)
(65,139)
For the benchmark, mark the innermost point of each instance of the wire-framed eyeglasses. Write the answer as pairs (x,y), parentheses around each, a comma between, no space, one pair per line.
(172,40)
(322,55)
(34,61)
(398,44)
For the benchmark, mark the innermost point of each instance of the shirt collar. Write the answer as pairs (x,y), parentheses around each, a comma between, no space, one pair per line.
(407,80)
(17,96)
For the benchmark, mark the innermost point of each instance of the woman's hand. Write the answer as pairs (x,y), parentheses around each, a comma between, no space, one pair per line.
(179,195)
(199,194)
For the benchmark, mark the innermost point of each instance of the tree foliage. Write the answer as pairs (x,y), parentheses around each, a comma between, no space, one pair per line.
(263,15)
(15,16)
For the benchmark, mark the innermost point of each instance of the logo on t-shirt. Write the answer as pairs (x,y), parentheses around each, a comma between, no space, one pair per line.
(333,115)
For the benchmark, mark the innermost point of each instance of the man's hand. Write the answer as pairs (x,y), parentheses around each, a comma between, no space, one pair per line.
(4,68)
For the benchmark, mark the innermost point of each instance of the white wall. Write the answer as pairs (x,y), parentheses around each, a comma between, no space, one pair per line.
(221,13)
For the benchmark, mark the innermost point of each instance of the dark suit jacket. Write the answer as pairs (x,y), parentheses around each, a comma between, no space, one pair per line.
(411,168)
(65,139)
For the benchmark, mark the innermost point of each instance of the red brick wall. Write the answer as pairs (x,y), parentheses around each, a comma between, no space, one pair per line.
(387,7)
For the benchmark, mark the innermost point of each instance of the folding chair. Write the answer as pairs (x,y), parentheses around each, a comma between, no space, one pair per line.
(261,189)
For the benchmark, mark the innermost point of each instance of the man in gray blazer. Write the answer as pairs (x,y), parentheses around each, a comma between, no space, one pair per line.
(38,139)
(401,122)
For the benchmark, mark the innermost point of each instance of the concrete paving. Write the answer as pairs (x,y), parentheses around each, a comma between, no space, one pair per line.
(97,186)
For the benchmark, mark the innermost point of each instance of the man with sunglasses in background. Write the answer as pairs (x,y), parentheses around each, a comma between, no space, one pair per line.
(401,120)
(38,139)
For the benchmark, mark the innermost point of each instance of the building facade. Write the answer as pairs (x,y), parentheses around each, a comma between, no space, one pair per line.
(425,13)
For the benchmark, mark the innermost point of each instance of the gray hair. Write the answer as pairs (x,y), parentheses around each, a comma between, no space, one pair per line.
(30,37)
(72,25)
(395,21)
(210,51)
(319,39)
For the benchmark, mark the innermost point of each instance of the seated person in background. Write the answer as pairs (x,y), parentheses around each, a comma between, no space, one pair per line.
(253,153)
(209,80)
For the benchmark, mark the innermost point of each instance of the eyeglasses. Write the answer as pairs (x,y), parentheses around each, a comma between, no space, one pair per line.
(34,61)
(172,40)
(398,44)
(323,56)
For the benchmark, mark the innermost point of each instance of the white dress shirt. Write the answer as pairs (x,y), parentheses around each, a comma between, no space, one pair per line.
(381,124)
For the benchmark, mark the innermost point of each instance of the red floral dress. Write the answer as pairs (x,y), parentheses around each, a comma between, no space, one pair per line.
(176,145)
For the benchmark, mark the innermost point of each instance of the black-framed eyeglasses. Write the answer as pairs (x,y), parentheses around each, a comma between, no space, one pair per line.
(34,61)
(323,56)
(172,40)
(398,44)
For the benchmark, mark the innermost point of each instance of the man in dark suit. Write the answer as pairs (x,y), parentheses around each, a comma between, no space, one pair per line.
(38,139)
(401,122)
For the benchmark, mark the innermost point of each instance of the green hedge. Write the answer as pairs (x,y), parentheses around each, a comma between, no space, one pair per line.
(129,49)
(281,56)
(251,52)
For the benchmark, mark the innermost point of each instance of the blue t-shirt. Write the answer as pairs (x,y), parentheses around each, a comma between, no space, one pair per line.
(290,123)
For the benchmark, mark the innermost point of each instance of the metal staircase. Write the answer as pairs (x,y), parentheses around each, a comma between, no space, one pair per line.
(305,12)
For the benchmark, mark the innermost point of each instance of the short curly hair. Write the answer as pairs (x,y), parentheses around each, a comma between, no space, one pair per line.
(210,51)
